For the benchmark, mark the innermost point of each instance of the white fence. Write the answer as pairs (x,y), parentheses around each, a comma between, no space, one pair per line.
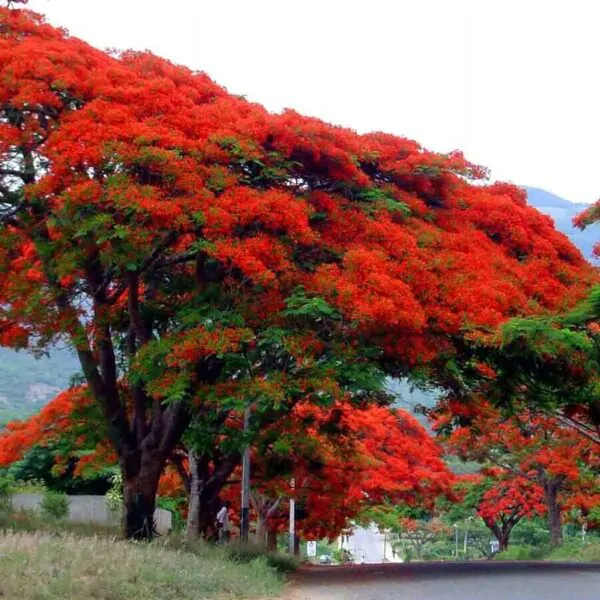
(91,509)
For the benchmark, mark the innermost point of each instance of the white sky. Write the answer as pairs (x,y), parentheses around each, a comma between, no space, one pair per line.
(512,83)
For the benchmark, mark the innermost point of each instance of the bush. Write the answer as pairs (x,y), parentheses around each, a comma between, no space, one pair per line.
(572,550)
(5,493)
(246,553)
(114,496)
(523,552)
(531,532)
(174,506)
(38,565)
(577,551)
(55,505)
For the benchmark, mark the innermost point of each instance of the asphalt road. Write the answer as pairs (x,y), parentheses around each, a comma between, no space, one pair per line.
(448,581)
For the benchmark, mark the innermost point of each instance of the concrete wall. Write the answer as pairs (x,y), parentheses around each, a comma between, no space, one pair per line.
(90,509)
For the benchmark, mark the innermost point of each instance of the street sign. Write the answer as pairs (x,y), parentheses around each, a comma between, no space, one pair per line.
(311,548)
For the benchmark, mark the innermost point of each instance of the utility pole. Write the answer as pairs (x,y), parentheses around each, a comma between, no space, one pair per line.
(245,514)
(292,519)
(384,545)
(456,540)
(466,535)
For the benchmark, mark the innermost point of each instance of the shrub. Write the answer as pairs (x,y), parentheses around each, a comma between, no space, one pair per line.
(246,553)
(523,552)
(55,505)
(114,496)
(576,550)
(5,493)
(174,506)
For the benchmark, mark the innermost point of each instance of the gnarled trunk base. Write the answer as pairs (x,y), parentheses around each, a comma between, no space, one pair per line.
(140,486)
(554,514)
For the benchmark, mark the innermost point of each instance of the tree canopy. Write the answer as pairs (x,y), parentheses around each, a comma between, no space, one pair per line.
(194,248)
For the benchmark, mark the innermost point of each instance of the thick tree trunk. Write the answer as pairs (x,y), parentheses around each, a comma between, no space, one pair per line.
(502,532)
(205,487)
(265,508)
(139,498)
(261,531)
(272,540)
(554,514)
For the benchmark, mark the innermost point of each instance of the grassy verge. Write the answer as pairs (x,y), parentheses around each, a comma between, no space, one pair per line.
(247,553)
(33,523)
(36,566)
(572,550)
(577,552)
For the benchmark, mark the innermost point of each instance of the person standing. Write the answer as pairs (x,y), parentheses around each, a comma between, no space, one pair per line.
(223,523)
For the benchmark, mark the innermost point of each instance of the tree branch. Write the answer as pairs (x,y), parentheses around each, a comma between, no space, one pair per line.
(146,264)
(574,424)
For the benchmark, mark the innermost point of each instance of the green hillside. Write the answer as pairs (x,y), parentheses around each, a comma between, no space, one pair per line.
(27,383)
(562,212)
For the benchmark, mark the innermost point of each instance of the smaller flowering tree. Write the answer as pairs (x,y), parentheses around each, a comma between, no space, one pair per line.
(529,447)
(506,501)
(419,532)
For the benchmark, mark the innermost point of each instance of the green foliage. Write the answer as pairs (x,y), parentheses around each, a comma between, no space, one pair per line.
(6,484)
(315,307)
(531,532)
(540,337)
(388,516)
(38,467)
(578,551)
(249,553)
(438,550)
(587,310)
(523,552)
(376,199)
(55,505)
(174,506)
(574,549)
(114,496)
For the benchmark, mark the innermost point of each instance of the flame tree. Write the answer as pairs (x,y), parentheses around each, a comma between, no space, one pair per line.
(165,229)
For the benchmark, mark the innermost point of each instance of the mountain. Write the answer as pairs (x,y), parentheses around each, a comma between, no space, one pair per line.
(563,211)
(27,383)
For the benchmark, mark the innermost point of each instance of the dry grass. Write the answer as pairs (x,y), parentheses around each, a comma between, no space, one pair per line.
(39,566)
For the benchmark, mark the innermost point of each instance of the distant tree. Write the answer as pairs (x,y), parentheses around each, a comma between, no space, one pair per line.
(534,448)
(590,216)
(418,533)
(48,465)
(506,501)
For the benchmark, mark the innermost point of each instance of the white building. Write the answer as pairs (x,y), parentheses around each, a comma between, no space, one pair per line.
(369,545)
